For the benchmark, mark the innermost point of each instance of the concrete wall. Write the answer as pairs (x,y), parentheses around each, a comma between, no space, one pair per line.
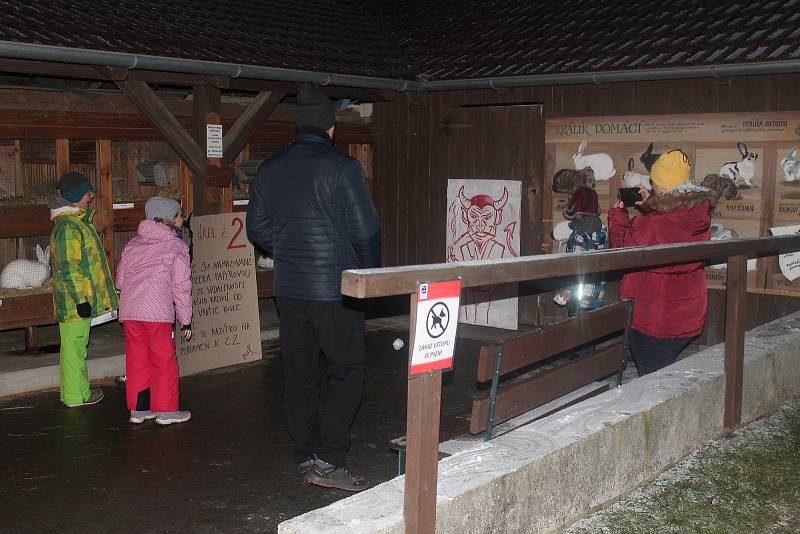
(550,473)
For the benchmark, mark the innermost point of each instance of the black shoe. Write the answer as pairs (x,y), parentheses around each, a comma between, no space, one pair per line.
(327,475)
(305,467)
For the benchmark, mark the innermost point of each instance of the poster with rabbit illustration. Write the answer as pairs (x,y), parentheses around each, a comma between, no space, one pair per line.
(483,224)
(750,160)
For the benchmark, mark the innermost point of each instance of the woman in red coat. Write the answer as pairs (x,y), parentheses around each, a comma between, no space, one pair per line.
(670,302)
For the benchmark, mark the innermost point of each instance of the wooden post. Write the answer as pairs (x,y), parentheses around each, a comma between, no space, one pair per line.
(104,201)
(206,99)
(422,444)
(221,195)
(62,156)
(186,188)
(31,338)
(736,285)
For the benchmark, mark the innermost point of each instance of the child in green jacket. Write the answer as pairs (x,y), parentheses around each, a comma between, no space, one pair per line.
(83,287)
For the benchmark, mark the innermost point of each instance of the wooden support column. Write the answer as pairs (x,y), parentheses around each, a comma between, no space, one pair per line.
(422,444)
(186,188)
(219,192)
(736,286)
(104,220)
(62,156)
(31,338)
(206,99)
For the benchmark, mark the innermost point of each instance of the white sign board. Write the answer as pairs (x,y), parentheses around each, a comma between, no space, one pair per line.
(435,329)
(213,140)
(225,321)
(790,263)
(483,223)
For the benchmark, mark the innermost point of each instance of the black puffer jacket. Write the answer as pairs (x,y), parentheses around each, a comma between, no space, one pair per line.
(309,208)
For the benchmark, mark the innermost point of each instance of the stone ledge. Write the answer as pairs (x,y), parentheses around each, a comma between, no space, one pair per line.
(550,473)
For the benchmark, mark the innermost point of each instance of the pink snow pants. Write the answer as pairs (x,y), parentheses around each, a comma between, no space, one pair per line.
(150,363)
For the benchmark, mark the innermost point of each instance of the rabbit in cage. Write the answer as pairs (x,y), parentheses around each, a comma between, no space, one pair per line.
(24,274)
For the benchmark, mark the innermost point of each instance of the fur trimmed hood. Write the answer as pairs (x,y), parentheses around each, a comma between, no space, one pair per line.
(674,199)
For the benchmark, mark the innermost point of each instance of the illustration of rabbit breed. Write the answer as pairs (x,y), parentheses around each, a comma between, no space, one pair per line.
(601,163)
(24,274)
(791,167)
(632,178)
(566,181)
(741,172)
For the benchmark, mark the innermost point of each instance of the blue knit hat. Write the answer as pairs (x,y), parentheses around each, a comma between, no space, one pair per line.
(73,186)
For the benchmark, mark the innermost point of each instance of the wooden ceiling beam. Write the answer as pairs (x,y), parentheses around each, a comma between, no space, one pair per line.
(248,122)
(165,122)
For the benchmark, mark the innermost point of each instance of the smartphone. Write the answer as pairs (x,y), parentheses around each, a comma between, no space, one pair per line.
(629,196)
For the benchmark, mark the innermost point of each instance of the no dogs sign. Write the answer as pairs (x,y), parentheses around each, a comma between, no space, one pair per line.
(435,328)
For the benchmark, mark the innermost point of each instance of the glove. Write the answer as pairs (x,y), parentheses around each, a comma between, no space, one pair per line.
(186,326)
(84,310)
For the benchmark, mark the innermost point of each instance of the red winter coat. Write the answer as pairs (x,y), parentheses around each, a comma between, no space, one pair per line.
(669,302)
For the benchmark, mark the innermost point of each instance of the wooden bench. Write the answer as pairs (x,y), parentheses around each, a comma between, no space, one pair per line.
(533,369)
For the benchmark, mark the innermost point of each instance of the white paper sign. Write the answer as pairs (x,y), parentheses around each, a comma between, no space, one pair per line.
(790,262)
(213,140)
(435,329)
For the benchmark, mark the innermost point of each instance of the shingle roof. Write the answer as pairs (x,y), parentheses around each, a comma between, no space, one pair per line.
(315,35)
(421,39)
(498,38)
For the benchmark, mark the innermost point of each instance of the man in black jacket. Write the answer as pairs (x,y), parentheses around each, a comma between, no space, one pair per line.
(309,208)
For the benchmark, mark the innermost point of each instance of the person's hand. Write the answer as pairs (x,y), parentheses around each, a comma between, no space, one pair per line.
(645,194)
(186,330)
(84,310)
(619,204)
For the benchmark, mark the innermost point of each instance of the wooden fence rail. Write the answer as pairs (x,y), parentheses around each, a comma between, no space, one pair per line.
(424,392)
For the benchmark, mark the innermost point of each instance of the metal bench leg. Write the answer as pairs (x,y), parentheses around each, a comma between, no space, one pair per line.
(401,462)
(493,394)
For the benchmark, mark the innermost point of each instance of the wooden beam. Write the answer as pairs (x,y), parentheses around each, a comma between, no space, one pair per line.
(248,122)
(166,123)
(736,284)
(62,156)
(104,221)
(387,281)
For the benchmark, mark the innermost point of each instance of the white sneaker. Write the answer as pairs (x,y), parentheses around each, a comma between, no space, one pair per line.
(167,418)
(140,416)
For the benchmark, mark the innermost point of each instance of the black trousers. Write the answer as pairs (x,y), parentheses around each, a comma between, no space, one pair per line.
(654,353)
(306,328)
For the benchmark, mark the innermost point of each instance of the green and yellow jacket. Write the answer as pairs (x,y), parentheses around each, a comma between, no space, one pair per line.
(80,269)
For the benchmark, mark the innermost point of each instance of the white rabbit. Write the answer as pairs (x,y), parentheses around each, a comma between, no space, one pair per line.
(791,167)
(741,172)
(634,179)
(601,164)
(23,274)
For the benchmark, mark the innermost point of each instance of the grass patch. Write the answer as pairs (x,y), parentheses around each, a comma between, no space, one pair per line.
(748,482)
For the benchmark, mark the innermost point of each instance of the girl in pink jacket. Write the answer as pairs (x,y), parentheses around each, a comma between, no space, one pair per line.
(154,279)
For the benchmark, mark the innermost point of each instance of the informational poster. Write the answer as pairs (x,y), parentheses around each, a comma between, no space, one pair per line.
(225,321)
(213,140)
(483,224)
(435,329)
(749,159)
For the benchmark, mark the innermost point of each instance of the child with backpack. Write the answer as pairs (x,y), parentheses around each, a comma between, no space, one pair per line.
(587,233)
(154,279)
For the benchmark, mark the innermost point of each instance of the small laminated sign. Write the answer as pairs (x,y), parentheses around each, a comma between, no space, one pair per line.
(435,328)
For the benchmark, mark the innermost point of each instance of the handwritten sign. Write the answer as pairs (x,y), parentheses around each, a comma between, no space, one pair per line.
(225,322)
(789,263)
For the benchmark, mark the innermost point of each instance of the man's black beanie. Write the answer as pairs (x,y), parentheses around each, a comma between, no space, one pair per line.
(314,108)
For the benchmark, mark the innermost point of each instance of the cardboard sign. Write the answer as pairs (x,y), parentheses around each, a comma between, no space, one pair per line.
(213,140)
(225,321)
(790,263)
(435,329)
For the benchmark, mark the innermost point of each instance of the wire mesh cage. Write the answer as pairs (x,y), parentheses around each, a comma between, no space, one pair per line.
(142,169)
(28,171)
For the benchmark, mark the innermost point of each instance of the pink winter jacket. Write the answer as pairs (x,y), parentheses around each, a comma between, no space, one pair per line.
(154,277)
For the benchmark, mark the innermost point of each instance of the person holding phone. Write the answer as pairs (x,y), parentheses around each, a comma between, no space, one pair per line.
(670,302)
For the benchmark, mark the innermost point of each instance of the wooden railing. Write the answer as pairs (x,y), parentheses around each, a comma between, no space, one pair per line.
(424,392)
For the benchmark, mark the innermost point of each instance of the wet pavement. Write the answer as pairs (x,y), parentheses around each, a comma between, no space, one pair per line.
(229,469)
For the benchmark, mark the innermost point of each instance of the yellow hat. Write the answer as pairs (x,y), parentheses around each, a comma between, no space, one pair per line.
(671,169)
